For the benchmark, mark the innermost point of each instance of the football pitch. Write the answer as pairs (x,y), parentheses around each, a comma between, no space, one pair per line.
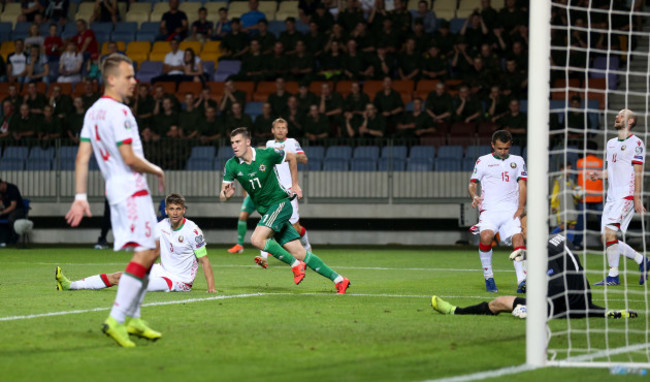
(262,327)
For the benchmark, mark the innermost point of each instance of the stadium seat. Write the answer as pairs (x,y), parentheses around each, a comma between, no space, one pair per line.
(216,88)
(16,152)
(211,58)
(66,88)
(344,88)
(445,9)
(336,164)
(268,8)
(476,151)
(237,8)
(208,67)
(127,27)
(121,45)
(456,24)
(315,152)
(253,109)
(463,141)
(468,164)
(391,164)
(424,87)
(227,68)
(363,164)
(372,87)
(22,27)
(452,152)
(423,152)
(67,153)
(315,164)
(398,152)
(338,152)
(436,141)
(419,165)
(38,165)
(607,68)
(284,14)
(12,164)
(158,11)
(11,12)
(200,164)
(448,164)
(145,36)
(189,87)
(263,90)
(150,26)
(404,88)
(149,70)
(203,152)
(366,152)
(211,47)
(85,10)
(315,86)
(195,45)
(213,8)
(224,153)
(137,17)
(191,9)
(515,150)
(7,48)
(138,51)
(5,31)
(39,153)
(125,36)
(277,27)
(247,87)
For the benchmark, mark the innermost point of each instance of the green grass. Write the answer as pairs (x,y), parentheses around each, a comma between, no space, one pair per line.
(384,330)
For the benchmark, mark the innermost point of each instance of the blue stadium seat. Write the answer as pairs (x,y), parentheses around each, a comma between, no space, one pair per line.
(18,35)
(16,152)
(419,165)
(227,68)
(92,164)
(475,151)
(208,68)
(515,150)
(277,27)
(22,27)
(70,26)
(68,152)
(39,165)
(448,164)
(452,152)
(338,152)
(128,26)
(44,29)
(366,152)
(149,70)
(315,164)
(101,27)
(125,36)
(302,27)
(200,164)
(225,153)
(395,164)
(455,25)
(148,26)
(524,153)
(254,109)
(315,152)
(203,152)
(394,151)
(363,164)
(468,163)
(145,36)
(5,31)
(336,164)
(12,164)
(423,152)
(40,153)
(66,164)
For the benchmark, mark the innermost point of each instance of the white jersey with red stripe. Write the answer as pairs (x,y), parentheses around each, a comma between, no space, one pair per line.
(499,180)
(622,155)
(289,145)
(180,249)
(107,125)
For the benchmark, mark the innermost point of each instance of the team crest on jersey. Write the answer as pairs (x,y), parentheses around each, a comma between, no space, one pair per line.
(127,125)
(181,238)
(513,165)
(262,168)
(623,148)
(638,150)
(199,241)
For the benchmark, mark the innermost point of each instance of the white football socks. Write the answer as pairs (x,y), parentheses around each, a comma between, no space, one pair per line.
(92,282)
(613,257)
(486,261)
(629,252)
(520,271)
(128,293)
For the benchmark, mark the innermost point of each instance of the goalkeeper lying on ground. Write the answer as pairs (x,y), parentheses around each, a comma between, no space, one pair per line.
(568,293)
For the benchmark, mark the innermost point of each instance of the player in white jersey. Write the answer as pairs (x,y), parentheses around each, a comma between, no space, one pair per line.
(182,247)
(624,172)
(111,132)
(280,130)
(501,204)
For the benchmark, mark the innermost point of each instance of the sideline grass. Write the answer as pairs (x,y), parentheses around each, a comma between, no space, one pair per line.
(384,330)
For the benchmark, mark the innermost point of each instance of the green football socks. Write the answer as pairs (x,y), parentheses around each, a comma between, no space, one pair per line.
(278,252)
(314,262)
(241,231)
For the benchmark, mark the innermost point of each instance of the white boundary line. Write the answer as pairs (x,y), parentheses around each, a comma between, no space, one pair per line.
(486,374)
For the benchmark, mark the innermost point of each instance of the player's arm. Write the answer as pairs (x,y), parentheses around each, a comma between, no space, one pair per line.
(207,271)
(472,189)
(139,164)
(302,158)
(522,198)
(638,180)
(293,168)
(227,191)
(80,206)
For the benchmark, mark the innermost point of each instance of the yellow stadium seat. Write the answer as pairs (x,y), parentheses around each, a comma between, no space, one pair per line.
(209,56)
(12,8)
(84,11)
(288,6)
(268,8)
(121,9)
(195,45)
(157,56)
(138,46)
(161,46)
(191,8)
(213,8)
(283,15)
(137,17)
(211,47)
(7,48)
(238,6)
(120,46)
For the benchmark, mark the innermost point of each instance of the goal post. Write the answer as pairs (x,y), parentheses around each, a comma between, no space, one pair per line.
(537,187)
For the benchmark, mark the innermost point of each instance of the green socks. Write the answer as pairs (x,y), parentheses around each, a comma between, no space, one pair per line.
(278,252)
(314,262)
(241,231)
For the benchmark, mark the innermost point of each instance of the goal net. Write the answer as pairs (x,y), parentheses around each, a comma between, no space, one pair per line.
(599,65)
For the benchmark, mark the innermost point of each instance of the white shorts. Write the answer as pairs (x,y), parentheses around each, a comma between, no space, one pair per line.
(501,222)
(617,215)
(133,222)
(294,215)
(173,283)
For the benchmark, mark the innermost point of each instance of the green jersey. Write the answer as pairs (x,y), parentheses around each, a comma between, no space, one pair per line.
(259,178)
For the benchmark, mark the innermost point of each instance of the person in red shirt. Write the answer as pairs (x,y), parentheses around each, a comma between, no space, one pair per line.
(53,44)
(86,41)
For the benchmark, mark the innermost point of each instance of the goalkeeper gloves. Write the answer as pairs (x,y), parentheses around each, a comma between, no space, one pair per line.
(518,255)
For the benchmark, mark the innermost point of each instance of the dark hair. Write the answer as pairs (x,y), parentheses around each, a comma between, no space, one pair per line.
(175,198)
(501,135)
(263,21)
(241,130)
(235,20)
(292,19)
(204,9)
(191,58)
(223,9)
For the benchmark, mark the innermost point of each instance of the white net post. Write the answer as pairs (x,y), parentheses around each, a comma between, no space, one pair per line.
(537,191)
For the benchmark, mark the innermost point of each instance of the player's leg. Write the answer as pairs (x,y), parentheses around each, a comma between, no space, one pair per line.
(629,252)
(241,230)
(100,281)
(485,254)
(610,225)
(513,230)
(498,305)
(295,221)
(158,280)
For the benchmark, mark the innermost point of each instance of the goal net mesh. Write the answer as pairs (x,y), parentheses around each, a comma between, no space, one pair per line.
(599,65)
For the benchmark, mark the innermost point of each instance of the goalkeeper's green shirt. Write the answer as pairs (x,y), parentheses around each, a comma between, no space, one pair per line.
(259,178)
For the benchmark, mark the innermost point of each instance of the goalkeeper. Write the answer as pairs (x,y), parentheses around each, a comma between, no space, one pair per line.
(568,292)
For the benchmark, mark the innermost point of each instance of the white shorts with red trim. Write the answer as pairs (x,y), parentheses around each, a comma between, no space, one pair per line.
(133,222)
(173,283)
(501,222)
(617,215)
(294,215)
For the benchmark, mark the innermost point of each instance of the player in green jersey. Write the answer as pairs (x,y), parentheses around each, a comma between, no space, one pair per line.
(254,169)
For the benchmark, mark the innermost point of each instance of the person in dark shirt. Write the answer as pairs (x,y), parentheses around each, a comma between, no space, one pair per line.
(480,78)
(409,62)
(381,63)
(306,98)
(389,103)
(461,62)
(231,96)
(373,125)
(435,65)
(401,18)
(440,105)
(252,63)
(235,43)
(323,18)
(173,23)
(210,127)
(260,129)
(75,121)
(164,119)
(444,40)
(276,64)
(223,26)
(513,81)
(489,15)
(202,28)
(331,104)
(355,102)
(351,15)
(205,100)
(496,104)
(511,17)
(474,31)
(364,39)
(189,117)
(278,100)
(143,106)
(237,118)
(62,103)
(49,126)
(23,125)
(13,96)
(316,126)
(421,38)
(294,117)
(35,100)
(90,96)
(416,123)
(12,210)
(389,37)
(377,16)
(332,63)
(468,107)
(515,122)
(355,65)
(290,36)
(314,40)
(301,65)
(267,39)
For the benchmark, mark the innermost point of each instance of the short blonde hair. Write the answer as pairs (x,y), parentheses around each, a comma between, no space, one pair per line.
(111,63)
(279,120)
